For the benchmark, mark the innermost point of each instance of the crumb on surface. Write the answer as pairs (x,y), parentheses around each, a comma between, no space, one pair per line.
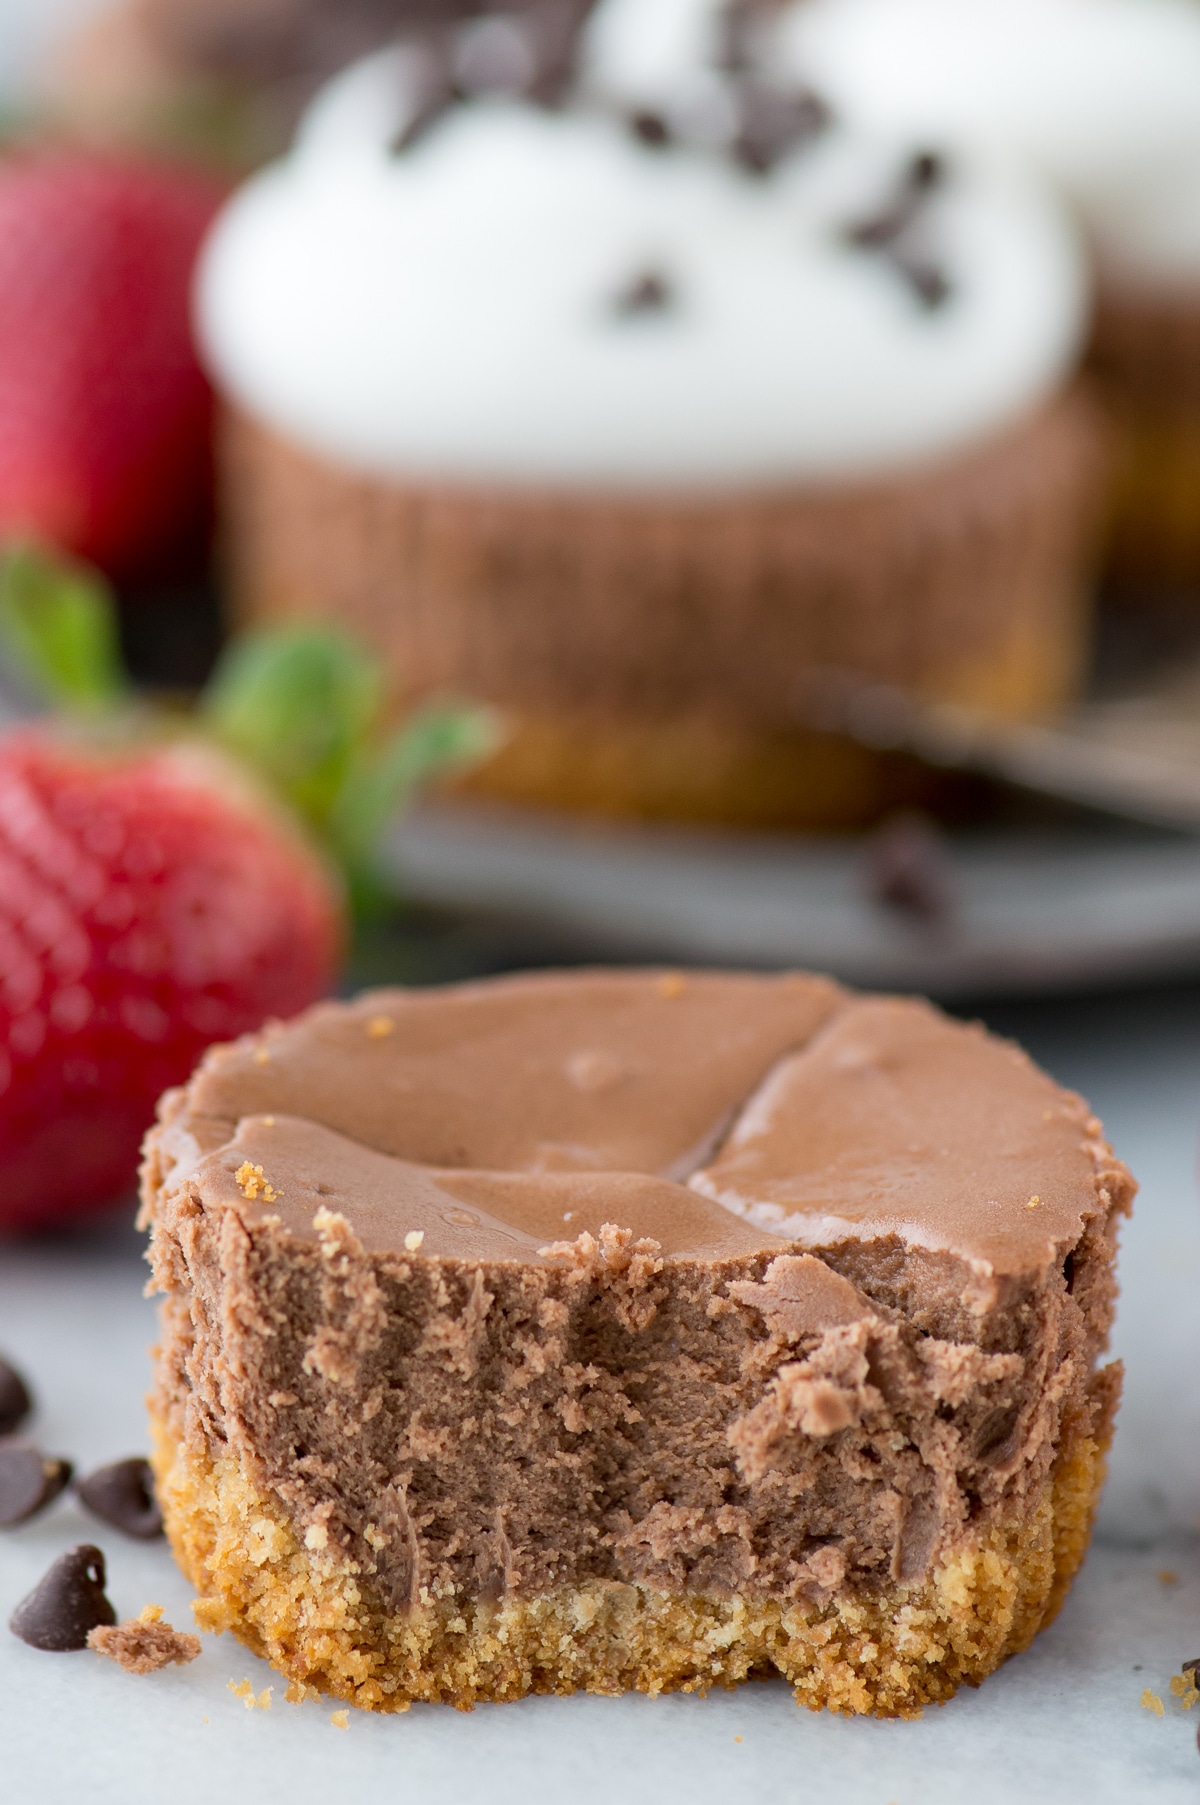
(261,1056)
(1183,1687)
(150,1613)
(250,1181)
(380,1026)
(244,1690)
(144,1644)
(340,1720)
(1167,1577)
(1033,1203)
(1152,1702)
(672,984)
(737,1739)
(413,1239)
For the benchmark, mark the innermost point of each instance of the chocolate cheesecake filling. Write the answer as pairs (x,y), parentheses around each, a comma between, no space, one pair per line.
(724,1289)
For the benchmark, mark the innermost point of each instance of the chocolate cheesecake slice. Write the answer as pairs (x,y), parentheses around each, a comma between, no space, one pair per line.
(612,1330)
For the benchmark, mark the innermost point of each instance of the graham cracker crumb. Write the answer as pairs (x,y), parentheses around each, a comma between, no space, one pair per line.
(250,1182)
(1033,1203)
(244,1690)
(340,1720)
(144,1644)
(672,984)
(1167,1577)
(413,1239)
(150,1613)
(380,1026)
(261,1056)
(1152,1702)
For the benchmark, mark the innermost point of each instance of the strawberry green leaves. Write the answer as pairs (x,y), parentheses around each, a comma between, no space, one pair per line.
(306,707)
(58,632)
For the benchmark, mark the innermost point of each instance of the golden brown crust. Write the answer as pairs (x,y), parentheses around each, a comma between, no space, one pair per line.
(655,623)
(310,1613)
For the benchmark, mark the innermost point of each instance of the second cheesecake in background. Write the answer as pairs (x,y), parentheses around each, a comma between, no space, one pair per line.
(633,414)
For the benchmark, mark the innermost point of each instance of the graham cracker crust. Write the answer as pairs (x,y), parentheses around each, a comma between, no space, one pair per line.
(889,1654)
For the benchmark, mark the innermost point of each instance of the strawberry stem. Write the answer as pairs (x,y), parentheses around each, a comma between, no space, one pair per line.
(306,707)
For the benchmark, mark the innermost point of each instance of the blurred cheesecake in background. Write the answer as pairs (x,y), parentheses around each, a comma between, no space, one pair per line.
(634,413)
(1102,96)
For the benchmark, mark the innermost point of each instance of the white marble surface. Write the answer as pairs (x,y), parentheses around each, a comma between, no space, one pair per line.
(1059,1724)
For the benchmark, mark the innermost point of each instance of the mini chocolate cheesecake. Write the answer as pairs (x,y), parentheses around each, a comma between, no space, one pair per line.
(630,1330)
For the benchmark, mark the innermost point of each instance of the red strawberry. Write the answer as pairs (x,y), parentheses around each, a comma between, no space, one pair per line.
(151,902)
(104,414)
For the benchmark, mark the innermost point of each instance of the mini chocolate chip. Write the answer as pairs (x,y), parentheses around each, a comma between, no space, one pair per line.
(29,1481)
(907,869)
(15,1401)
(123,1494)
(647,293)
(773,122)
(434,89)
(740,23)
(651,128)
(557,25)
(66,1603)
(926,171)
(930,284)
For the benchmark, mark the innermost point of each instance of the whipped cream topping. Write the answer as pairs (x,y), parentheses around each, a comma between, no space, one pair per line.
(627,297)
(1103,96)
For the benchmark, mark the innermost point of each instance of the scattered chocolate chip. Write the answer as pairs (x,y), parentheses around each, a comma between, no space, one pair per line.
(773,122)
(556,28)
(123,1494)
(740,24)
(29,1481)
(15,1401)
(887,231)
(651,128)
(435,92)
(67,1603)
(926,171)
(908,869)
(647,293)
(928,281)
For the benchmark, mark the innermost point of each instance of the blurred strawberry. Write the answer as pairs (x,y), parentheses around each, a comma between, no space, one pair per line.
(105,417)
(150,903)
(159,892)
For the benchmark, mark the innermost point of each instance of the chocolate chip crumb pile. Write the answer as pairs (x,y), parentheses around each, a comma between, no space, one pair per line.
(120,1494)
(69,1608)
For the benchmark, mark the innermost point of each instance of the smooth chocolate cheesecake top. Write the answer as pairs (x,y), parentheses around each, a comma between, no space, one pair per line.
(713,1114)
